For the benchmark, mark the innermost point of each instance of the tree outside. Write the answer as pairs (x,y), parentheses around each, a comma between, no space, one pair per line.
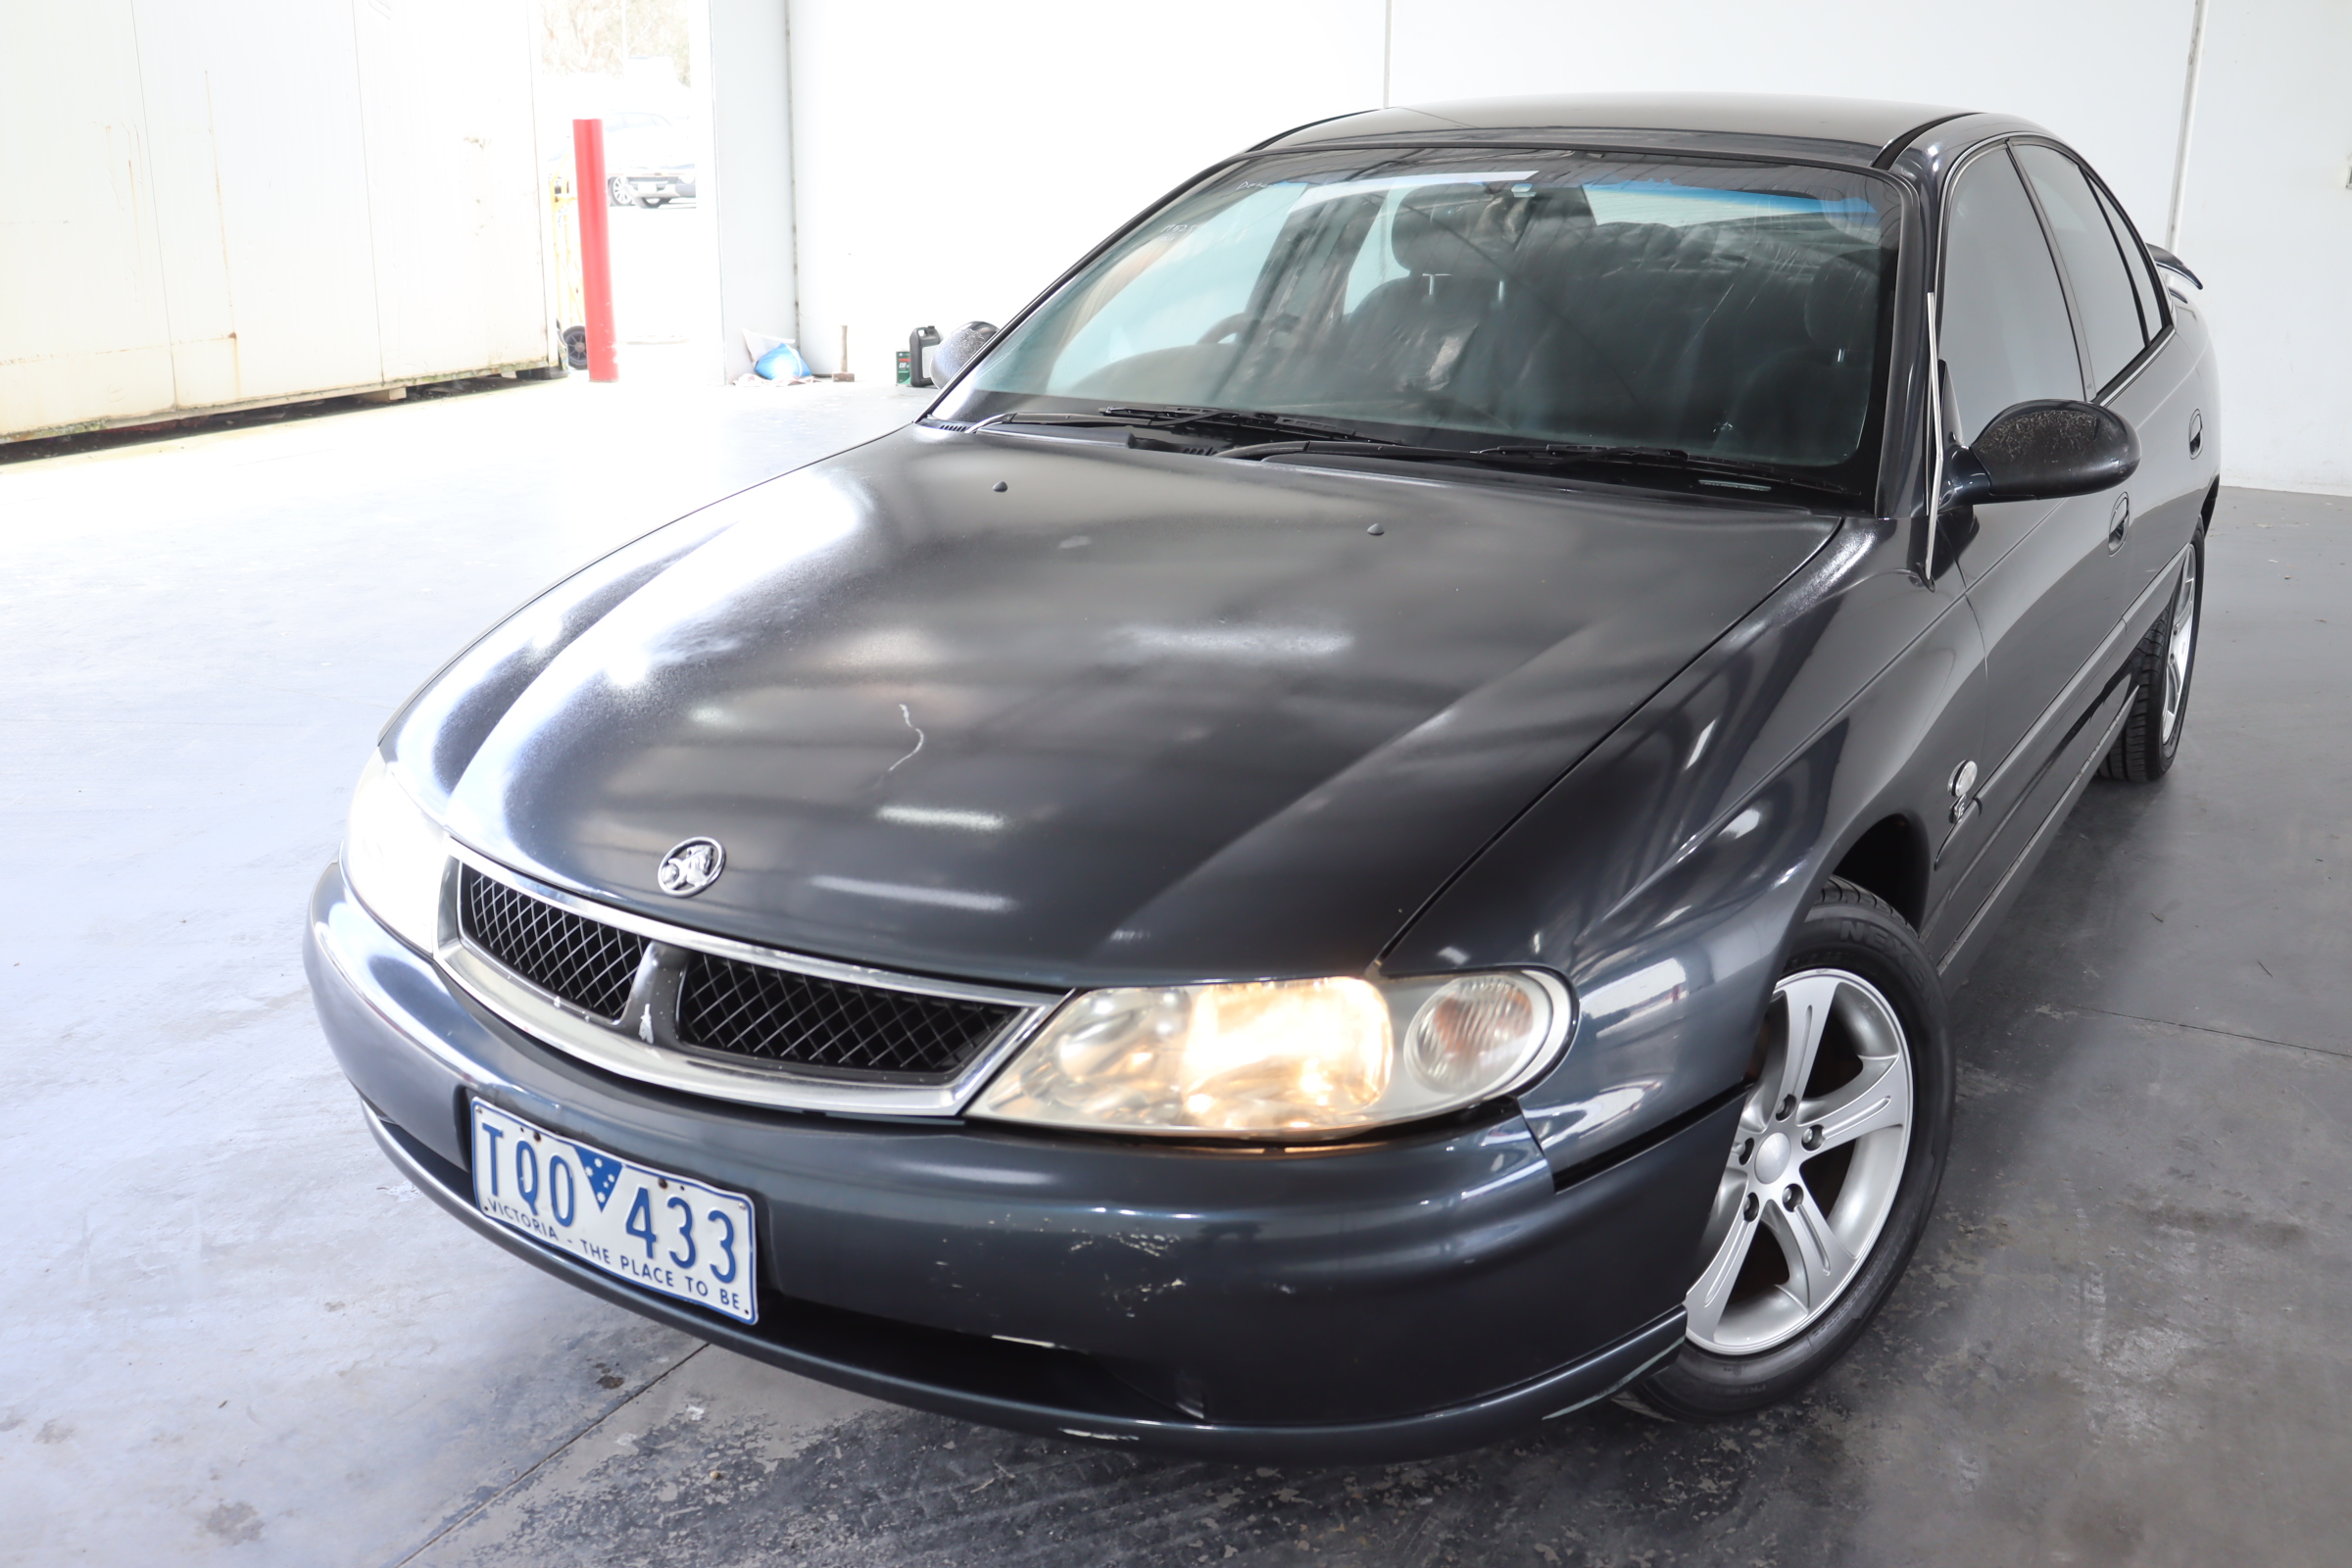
(598,37)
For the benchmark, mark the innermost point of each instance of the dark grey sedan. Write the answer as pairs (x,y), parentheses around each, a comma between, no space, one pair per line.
(1358,839)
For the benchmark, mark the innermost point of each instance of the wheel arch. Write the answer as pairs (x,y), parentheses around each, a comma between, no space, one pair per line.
(1890,857)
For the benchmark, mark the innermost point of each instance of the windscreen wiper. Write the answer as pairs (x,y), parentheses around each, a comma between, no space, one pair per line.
(1717,473)
(1249,419)
(1242,421)
(1724,473)
(1320,436)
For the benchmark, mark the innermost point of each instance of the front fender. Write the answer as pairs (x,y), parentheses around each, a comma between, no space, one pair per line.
(1664,875)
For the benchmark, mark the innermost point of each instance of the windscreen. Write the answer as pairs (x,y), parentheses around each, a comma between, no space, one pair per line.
(1454,297)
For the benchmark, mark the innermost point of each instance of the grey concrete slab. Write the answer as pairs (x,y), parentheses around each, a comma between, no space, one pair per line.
(234,1333)
(2219,898)
(228,1324)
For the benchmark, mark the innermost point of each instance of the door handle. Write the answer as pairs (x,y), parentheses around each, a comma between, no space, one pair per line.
(2119,521)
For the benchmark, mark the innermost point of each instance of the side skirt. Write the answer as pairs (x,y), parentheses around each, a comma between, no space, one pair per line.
(1970,945)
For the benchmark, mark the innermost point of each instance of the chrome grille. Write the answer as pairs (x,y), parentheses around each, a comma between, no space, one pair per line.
(800,1020)
(585,963)
(758,1013)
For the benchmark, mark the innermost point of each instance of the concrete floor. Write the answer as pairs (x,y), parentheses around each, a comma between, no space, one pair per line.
(232,1334)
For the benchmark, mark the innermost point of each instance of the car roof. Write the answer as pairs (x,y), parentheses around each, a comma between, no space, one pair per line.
(1857,128)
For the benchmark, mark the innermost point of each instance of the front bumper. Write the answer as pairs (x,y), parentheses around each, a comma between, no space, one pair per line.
(1416,1295)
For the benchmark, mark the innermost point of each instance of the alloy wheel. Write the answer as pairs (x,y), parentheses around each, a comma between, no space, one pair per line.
(1814,1166)
(2179,649)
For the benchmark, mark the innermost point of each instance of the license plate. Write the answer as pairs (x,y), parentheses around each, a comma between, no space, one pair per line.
(667,1233)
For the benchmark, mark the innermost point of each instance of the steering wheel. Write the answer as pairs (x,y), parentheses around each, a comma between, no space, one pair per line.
(1239,319)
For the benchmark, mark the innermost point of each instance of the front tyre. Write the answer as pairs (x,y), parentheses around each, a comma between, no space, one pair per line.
(1833,1170)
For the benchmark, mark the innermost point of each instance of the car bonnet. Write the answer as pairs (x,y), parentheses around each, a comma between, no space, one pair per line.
(1060,713)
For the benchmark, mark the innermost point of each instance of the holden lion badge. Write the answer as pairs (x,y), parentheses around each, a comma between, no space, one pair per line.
(691,867)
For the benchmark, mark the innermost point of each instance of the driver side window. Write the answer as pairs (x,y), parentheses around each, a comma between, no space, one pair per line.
(1169,310)
(2005,333)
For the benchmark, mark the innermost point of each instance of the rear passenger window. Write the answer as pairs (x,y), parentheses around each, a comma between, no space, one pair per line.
(2005,335)
(2094,263)
(2136,263)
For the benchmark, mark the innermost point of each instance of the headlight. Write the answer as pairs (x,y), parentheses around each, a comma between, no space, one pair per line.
(1283,1059)
(394,856)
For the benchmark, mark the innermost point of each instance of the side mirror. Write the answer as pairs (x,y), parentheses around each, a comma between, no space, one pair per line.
(2041,450)
(959,349)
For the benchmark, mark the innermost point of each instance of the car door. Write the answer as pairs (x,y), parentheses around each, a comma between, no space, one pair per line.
(2136,367)
(2044,585)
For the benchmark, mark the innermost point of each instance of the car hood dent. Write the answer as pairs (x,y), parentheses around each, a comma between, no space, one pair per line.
(1130,717)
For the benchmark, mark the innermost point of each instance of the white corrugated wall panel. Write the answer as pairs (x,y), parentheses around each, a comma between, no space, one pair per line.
(268,275)
(242,201)
(82,334)
(449,143)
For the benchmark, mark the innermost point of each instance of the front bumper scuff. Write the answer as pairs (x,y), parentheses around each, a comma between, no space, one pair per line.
(1394,1300)
(930,1372)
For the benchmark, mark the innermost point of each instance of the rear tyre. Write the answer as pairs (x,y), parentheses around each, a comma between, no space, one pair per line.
(1833,1171)
(2162,667)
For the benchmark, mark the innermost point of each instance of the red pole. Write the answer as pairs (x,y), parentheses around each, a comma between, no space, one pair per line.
(594,204)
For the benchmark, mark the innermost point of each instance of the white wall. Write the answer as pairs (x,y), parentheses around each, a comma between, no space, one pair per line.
(742,56)
(217,202)
(2024,57)
(2267,222)
(951,158)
